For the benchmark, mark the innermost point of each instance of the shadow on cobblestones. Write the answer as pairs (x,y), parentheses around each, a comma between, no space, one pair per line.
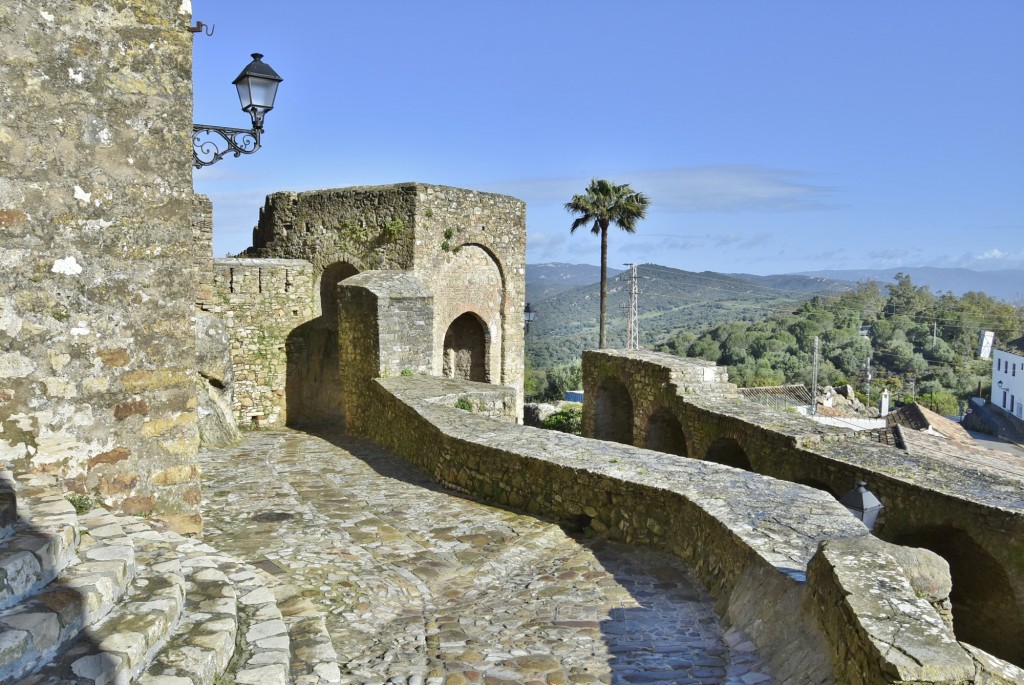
(421,585)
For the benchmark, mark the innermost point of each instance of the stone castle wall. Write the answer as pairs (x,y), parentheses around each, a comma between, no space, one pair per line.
(96,339)
(261,301)
(468,247)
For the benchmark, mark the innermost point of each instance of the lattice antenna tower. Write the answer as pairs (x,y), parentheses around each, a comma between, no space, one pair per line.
(633,333)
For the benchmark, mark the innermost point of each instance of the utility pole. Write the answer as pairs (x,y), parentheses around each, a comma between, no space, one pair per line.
(814,380)
(867,366)
(633,332)
(935,333)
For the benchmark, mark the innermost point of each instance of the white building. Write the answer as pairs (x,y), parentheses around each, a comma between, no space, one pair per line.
(1008,378)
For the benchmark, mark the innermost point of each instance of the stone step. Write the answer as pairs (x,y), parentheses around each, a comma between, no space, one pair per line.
(43,625)
(141,604)
(118,647)
(38,547)
(263,649)
(313,658)
(204,641)
(8,504)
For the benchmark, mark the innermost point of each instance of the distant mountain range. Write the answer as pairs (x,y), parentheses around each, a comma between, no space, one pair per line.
(671,301)
(1007,284)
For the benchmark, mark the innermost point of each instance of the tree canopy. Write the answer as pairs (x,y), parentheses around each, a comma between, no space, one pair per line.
(921,345)
(604,204)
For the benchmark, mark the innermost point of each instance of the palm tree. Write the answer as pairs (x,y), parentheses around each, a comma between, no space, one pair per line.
(604,204)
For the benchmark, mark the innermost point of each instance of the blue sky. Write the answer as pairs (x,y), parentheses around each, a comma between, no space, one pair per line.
(771,137)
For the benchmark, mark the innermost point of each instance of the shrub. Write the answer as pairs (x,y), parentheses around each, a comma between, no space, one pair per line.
(569,419)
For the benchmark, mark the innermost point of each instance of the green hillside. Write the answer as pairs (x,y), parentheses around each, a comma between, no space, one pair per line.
(671,301)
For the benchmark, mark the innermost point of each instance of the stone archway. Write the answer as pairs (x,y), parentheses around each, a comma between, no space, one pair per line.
(985,607)
(613,412)
(665,433)
(465,349)
(470,278)
(330,278)
(727,451)
(313,389)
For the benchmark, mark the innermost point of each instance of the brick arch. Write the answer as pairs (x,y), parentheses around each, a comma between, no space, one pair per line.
(613,412)
(729,452)
(665,433)
(466,349)
(470,280)
(985,612)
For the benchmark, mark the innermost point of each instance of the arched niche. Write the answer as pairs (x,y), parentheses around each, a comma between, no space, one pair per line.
(727,451)
(985,606)
(331,276)
(313,389)
(469,278)
(466,349)
(665,433)
(613,412)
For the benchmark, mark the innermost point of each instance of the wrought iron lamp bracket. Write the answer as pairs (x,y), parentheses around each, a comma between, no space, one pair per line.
(207,150)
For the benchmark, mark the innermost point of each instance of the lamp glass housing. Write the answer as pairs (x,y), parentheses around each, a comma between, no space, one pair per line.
(863,504)
(529,314)
(257,86)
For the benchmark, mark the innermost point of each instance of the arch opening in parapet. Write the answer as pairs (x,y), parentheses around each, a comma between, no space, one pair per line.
(613,412)
(817,485)
(986,612)
(465,349)
(665,433)
(313,388)
(331,276)
(729,452)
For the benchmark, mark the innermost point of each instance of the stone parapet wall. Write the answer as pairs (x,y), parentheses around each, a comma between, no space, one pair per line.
(97,346)
(750,539)
(261,302)
(928,502)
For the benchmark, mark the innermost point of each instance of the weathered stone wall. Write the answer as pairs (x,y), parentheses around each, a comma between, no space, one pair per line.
(370,227)
(262,302)
(469,247)
(97,350)
(974,519)
(755,542)
(202,247)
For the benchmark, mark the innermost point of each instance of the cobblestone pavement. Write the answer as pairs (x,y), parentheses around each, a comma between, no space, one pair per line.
(422,586)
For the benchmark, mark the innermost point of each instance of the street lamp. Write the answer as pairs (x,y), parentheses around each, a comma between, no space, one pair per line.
(862,503)
(528,316)
(257,89)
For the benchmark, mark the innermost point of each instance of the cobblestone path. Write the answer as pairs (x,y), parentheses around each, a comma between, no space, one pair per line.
(424,586)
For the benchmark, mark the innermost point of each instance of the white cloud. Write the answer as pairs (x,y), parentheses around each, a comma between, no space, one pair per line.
(713,188)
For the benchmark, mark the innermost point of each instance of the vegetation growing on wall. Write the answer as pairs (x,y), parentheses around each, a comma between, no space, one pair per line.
(368,233)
